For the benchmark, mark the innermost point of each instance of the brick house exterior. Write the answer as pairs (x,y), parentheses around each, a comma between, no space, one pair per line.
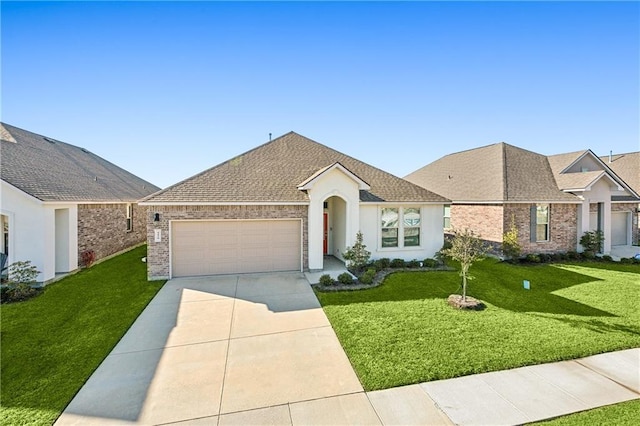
(286,206)
(59,200)
(494,186)
(158,253)
(103,228)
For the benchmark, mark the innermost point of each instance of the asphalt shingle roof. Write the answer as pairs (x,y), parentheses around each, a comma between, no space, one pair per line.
(51,170)
(627,167)
(493,173)
(273,171)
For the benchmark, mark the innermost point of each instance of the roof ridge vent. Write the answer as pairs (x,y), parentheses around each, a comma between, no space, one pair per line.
(50,140)
(84,150)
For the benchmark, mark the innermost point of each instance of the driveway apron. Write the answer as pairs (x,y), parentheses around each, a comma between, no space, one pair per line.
(220,349)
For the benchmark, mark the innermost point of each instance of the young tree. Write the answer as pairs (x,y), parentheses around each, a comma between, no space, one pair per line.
(357,256)
(466,248)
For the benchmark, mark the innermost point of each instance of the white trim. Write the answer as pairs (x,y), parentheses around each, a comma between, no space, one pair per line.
(231,203)
(310,181)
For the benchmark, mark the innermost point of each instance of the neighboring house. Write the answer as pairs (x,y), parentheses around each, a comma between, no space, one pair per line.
(551,200)
(627,166)
(283,206)
(59,200)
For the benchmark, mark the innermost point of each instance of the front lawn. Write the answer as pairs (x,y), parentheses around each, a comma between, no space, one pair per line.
(404,332)
(623,414)
(51,344)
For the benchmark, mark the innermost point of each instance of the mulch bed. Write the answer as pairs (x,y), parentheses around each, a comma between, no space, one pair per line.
(377,280)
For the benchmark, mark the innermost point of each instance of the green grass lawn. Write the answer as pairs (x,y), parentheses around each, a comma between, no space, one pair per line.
(623,414)
(404,332)
(51,344)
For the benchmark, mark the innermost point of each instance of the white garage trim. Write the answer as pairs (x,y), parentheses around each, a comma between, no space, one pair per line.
(231,246)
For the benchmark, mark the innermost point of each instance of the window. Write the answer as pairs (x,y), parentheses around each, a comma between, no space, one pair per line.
(411,223)
(540,223)
(129,218)
(447,216)
(400,227)
(390,227)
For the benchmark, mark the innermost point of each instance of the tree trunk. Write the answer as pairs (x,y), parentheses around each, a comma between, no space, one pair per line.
(464,287)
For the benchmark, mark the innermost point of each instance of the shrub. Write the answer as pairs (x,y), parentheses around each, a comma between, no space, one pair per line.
(430,263)
(573,255)
(397,263)
(413,264)
(626,260)
(381,264)
(22,275)
(558,257)
(4,294)
(326,280)
(545,257)
(532,258)
(588,255)
(357,256)
(345,278)
(510,245)
(591,241)
(607,258)
(367,277)
(87,258)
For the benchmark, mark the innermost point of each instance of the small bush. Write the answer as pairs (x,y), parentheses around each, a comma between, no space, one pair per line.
(87,258)
(573,255)
(440,255)
(510,246)
(326,280)
(345,278)
(367,277)
(558,257)
(588,255)
(592,241)
(607,258)
(381,264)
(413,264)
(430,263)
(545,257)
(4,294)
(626,260)
(397,263)
(532,258)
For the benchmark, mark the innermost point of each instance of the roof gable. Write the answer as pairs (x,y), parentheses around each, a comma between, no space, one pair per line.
(308,183)
(493,173)
(273,172)
(50,170)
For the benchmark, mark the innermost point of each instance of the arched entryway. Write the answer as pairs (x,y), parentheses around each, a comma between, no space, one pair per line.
(334,235)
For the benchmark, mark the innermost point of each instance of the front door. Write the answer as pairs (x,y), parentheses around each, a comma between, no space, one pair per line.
(325,234)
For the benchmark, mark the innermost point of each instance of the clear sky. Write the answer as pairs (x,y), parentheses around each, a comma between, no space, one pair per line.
(166,89)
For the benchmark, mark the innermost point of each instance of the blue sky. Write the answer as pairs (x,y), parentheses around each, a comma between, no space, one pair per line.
(167,89)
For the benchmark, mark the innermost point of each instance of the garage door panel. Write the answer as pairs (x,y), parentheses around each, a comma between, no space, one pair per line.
(224,247)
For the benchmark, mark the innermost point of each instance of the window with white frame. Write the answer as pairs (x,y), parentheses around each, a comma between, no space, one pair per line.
(400,227)
(390,224)
(129,217)
(540,223)
(447,216)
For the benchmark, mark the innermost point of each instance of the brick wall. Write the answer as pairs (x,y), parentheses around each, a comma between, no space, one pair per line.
(483,219)
(563,229)
(103,228)
(158,253)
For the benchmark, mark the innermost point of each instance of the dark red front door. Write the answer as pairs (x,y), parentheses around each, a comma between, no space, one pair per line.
(325,239)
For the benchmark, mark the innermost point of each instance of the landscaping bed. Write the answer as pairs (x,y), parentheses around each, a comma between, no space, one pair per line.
(404,332)
(51,344)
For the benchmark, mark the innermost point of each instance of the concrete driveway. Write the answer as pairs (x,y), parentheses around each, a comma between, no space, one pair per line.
(206,350)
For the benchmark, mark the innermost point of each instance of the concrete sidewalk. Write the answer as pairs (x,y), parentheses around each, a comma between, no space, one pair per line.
(258,349)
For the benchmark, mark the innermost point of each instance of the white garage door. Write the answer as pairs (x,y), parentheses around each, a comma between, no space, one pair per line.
(619,228)
(235,246)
